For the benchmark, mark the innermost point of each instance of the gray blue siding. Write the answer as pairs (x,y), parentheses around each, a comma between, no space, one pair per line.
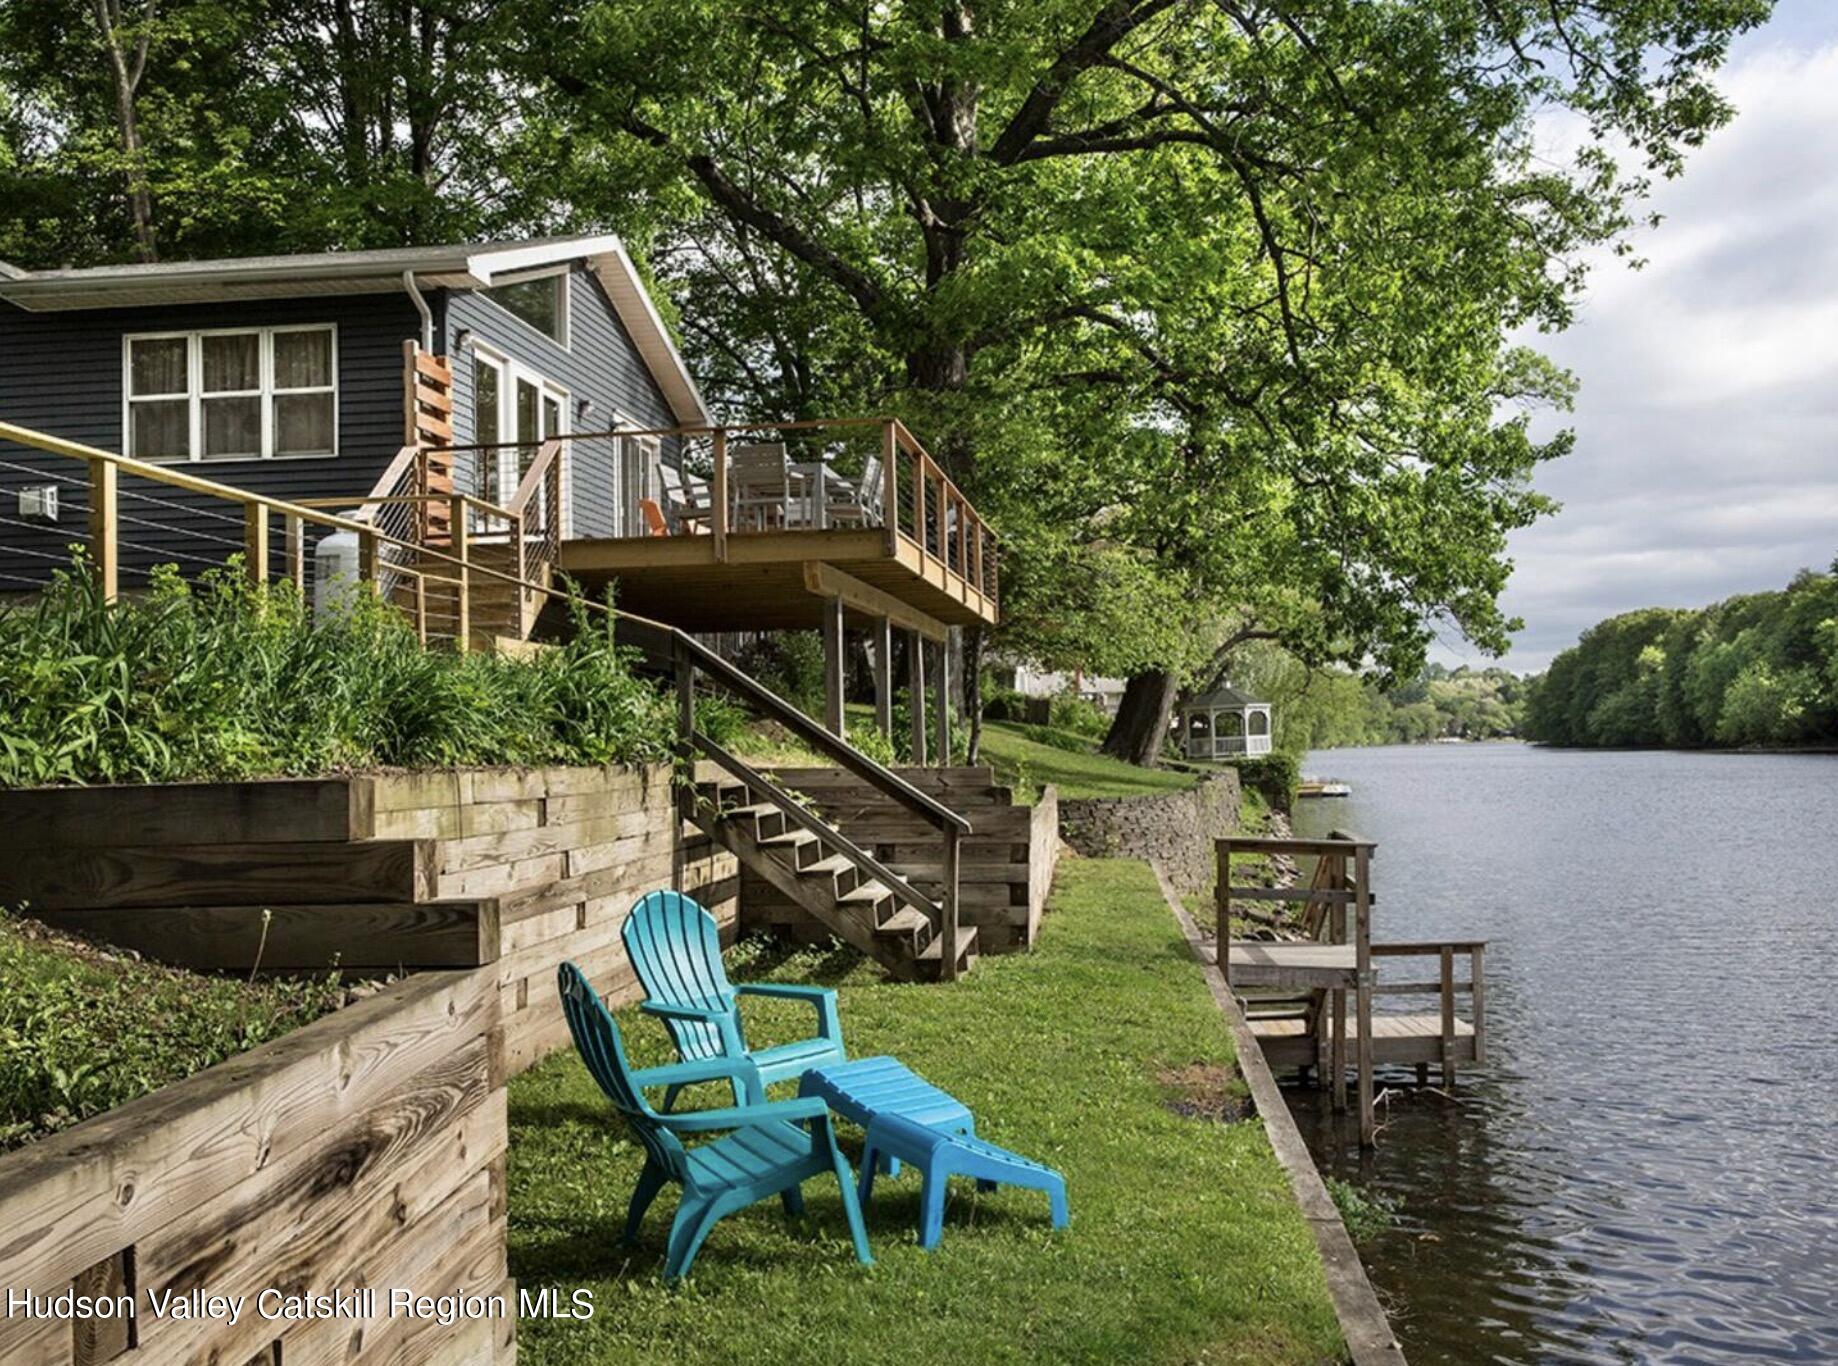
(61,373)
(600,364)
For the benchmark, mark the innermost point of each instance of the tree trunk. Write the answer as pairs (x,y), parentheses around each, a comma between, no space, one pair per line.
(127,71)
(974,640)
(1141,724)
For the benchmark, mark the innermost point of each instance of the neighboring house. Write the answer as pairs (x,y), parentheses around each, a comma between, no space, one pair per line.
(1106,693)
(293,376)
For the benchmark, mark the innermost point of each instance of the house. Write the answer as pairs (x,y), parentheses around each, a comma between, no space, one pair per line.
(292,376)
(536,380)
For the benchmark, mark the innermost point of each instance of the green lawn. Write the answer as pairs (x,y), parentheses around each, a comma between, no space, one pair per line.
(1029,765)
(1185,1244)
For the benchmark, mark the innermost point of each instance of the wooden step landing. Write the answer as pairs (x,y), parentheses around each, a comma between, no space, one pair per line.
(1257,963)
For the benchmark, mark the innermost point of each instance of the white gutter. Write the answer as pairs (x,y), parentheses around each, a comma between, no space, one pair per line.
(421,307)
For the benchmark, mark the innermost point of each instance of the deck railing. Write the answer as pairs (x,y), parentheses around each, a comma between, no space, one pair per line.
(914,502)
(424,562)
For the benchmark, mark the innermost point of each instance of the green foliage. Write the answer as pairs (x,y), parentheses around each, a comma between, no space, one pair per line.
(1067,712)
(1273,777)
(225,680)
(82,1032)
(789,663)
(1060,1053)
(1327,708)
(1210,309)
(1761,669)
(1366,1213)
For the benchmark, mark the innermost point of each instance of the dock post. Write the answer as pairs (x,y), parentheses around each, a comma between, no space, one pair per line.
(1362,967)
(1448,1017)
(1477,991)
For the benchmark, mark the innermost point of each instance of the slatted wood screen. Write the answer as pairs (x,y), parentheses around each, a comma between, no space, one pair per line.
(427,402)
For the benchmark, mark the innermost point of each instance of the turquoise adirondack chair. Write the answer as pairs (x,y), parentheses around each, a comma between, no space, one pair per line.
(771,1147)
(675,948)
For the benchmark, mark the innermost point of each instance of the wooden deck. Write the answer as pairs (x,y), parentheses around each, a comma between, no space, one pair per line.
(778,580)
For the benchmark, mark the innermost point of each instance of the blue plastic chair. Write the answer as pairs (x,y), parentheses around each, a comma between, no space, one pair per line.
(675,948)
(767,1152)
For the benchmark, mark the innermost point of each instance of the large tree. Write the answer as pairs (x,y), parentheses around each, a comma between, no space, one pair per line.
(1205,299)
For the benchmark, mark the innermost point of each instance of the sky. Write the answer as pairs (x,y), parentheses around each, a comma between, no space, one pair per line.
(1706,460)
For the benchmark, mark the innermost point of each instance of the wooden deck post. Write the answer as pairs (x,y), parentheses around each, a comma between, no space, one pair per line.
(461,538)
(293,530)
(1362,966)
(890,483)
(367,559)
(718,493)
(941,720)
(686,749)
(915,693)
(104,525)
(883,677)
(833,661)
(948,902)
(255,542)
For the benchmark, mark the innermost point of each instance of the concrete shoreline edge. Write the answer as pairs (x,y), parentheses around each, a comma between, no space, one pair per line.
(1369,1336)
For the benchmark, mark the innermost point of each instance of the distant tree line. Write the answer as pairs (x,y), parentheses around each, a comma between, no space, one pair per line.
(1332,708)
(1761,669)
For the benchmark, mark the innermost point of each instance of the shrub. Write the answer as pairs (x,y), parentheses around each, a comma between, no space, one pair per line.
(227,680)
(1274,777)
(1070,712)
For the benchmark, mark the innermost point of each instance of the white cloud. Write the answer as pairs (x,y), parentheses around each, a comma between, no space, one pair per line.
(1707,426)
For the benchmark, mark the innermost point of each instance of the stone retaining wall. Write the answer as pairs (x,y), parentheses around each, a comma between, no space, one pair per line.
(1174,829)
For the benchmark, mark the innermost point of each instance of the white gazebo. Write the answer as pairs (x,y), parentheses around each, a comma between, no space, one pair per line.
(1224,724)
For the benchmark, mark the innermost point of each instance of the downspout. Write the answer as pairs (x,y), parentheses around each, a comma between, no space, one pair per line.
(421,307)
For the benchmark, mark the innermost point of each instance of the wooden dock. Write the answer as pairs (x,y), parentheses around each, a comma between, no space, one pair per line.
(1296,992)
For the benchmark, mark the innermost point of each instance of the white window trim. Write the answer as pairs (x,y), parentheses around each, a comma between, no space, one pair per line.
(194,392)
(564,303)
(510,371)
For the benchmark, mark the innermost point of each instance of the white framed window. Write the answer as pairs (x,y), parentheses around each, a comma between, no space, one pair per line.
(539,299)
(231,393)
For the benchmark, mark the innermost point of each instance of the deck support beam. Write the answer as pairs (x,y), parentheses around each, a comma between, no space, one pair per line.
(833,660)
(883,677)
(915,693)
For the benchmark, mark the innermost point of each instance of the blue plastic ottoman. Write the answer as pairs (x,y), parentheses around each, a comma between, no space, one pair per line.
(909,1119)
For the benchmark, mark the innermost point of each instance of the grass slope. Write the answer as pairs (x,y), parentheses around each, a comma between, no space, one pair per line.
(1029,765)
(1185,1244)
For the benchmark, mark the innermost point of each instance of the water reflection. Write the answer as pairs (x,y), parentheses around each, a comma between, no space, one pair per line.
(1646,1168)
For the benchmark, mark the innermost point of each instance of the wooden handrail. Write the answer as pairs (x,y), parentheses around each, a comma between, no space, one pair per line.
(790,806)
(532,481)
(816,736)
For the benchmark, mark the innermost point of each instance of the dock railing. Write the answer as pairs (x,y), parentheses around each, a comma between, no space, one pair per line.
(1333,952)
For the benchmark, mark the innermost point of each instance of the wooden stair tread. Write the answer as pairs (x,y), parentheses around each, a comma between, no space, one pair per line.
(966,945)
(756,810)
(902,922)
(871,890)
(830,866)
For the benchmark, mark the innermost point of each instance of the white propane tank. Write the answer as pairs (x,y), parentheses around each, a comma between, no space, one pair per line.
(335,572)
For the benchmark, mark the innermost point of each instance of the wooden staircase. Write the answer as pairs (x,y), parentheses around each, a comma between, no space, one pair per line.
(846,889)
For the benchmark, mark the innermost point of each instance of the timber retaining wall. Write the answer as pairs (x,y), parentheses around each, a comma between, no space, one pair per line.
(511,870)
(363,1150)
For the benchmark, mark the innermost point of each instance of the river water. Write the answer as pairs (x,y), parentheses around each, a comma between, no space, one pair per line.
(1647,1170)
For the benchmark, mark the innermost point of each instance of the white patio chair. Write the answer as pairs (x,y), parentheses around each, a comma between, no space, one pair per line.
(857,500)
(686,499)
(760,486)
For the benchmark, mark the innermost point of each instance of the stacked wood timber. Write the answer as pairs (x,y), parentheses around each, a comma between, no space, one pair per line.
(364,1150)
(513,869)
(1005,865)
